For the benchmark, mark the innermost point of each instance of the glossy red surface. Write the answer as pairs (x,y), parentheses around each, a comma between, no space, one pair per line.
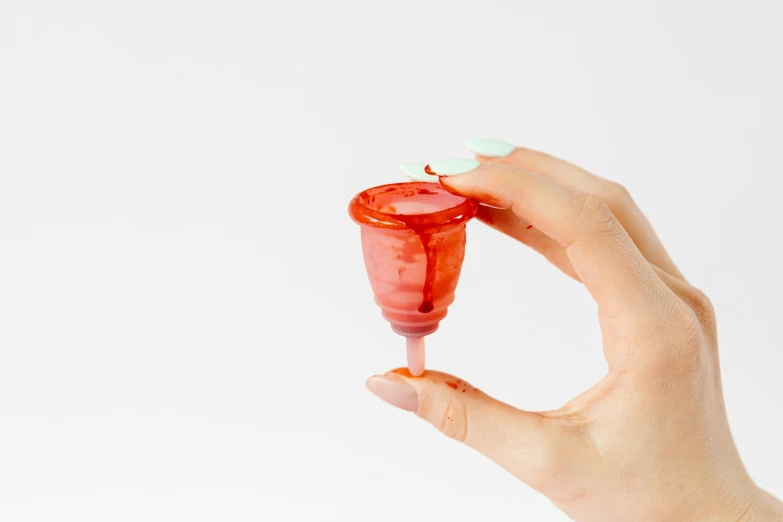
(413,241)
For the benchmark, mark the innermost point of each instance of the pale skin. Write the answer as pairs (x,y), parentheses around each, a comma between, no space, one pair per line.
(651,440)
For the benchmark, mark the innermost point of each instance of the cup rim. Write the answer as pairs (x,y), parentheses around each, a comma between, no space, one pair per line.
(362,214)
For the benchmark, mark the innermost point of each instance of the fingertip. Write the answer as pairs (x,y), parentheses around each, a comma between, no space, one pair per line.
(394,391)
(416,171)
(443,181)
(476,186)
(452,167)
(489,148)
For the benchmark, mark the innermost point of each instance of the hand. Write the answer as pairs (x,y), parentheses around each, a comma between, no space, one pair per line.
(650,441)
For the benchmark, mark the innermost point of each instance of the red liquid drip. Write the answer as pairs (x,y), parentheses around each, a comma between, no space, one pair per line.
(429,279)
(430,251)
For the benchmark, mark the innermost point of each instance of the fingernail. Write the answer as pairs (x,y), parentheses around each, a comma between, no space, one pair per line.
(490,148)
(415,171)
(452,167)
(395,391)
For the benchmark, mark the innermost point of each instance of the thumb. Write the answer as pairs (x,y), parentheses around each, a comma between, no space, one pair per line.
(529,445)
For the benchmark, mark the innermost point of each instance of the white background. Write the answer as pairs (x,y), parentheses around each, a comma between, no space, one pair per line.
(185,321)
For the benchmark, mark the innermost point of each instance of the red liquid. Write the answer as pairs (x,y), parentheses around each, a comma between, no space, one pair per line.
(413,241)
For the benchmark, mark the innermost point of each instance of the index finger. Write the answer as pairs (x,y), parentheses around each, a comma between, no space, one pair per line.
(603,255)
(565,173)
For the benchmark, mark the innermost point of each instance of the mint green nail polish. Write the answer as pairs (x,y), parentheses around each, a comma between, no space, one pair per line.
(452,167)
(490,148)
(415,171)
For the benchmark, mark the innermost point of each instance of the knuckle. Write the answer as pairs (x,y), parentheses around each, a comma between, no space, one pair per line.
(454,421)
(594,214)
(616,194)
(688,341)
(689,350)
(594,211)
(590,214)
(696,311)
(579,198)
(702,306)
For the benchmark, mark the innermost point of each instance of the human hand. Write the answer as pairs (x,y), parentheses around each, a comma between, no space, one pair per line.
(650,441)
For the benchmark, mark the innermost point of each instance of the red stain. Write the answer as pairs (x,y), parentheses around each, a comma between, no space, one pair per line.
(445,186)
(452,385)
(428,170)
(528,227)
(464,390)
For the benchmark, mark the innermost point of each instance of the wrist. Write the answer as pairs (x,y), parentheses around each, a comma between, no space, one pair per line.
(744,502)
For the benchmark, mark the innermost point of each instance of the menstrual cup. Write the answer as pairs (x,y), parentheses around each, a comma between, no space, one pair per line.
(413,241)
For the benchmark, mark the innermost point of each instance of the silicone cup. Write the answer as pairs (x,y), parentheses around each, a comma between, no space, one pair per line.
(413,241)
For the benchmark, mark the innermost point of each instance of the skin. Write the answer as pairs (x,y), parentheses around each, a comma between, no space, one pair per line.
(651,440)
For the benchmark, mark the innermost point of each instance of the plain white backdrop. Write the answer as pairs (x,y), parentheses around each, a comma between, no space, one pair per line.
(185,321)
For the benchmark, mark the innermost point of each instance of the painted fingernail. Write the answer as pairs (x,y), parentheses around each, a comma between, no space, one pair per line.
(490,148)
(395,391)
(452,167)
(415,171)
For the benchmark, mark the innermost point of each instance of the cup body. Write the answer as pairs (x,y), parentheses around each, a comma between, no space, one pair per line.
(413,241)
